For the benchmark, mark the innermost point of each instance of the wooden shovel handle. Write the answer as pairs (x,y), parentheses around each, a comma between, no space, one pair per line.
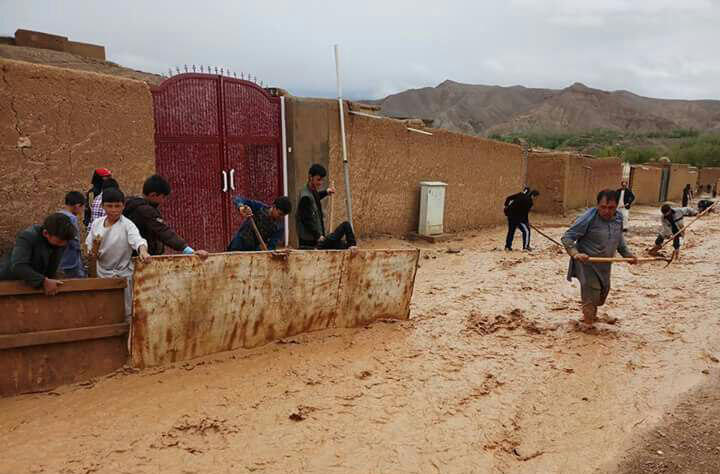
(623,259)
(257,234)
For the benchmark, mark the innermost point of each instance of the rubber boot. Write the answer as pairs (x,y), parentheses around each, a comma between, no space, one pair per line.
(589,313)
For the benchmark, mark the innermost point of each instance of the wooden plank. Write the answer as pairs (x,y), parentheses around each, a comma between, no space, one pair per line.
(75,309)
(11,288)
(38,368)
(9,341)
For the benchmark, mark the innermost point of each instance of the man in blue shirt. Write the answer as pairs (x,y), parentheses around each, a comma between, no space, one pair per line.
(270,221)
(598,232)
(71,264)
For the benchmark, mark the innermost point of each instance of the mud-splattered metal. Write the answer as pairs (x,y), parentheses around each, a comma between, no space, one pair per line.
(186,308)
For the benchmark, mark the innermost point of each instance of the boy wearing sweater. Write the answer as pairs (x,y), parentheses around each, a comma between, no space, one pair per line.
(111,242)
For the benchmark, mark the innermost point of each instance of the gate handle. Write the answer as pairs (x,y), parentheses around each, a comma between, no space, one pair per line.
(232,179)
(225,182)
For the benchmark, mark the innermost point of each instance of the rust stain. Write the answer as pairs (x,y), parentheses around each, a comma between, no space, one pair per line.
(200,309)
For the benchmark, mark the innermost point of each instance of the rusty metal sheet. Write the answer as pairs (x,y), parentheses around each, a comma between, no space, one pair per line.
(67,338)
(185,308)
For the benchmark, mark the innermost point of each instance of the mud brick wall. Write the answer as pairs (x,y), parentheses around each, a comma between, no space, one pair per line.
(547,173)
(56,127)
(605,173)
(708,176)
(387,163)
(646,184)
(579,183)
(680,175)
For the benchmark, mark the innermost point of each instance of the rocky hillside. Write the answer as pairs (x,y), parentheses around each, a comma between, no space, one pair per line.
(485,110)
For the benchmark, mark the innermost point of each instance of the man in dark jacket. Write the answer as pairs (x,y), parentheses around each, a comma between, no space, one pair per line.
(270,222)
(687,195)
(625,199)
(309,217)
(517,210)
(37,253)
(144,213)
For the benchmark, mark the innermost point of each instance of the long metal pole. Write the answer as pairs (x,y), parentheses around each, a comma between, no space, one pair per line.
(346,165)
(284,156)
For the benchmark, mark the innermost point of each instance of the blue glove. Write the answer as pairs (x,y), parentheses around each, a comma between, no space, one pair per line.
(188,250)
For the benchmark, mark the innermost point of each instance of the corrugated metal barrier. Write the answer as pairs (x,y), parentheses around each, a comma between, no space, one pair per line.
(186,308)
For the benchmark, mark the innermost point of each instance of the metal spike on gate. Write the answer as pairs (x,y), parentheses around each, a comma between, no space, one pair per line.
(170,71)
(261,84)
(216,70)
(235,75)
(186,69)
(222,72)
(177,69)
(201,68)
(193,68)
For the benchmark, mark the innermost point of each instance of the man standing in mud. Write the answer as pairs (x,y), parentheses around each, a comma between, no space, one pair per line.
(596,233)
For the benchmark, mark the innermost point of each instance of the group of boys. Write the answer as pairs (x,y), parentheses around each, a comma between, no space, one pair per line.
(120,228)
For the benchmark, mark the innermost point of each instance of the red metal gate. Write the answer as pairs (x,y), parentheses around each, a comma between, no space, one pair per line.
(215,137)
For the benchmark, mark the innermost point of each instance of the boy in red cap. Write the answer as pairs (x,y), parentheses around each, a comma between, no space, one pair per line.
(99,175)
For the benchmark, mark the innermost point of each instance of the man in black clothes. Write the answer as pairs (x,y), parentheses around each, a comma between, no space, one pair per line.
(687,195)
(517,209)
(309,217)
(625,199)
(143,211)
(36,256)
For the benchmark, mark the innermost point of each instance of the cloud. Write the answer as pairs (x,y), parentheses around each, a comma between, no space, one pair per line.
(649,47)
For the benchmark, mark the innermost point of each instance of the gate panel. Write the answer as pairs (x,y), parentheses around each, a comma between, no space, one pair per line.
(208,126)
(195,207)
(256,171)
(250,112)
(187,107)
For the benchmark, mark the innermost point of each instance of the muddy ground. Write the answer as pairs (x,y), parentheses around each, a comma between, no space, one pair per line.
(488,375)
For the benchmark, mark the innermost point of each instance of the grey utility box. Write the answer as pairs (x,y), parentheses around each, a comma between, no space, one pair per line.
(432,207)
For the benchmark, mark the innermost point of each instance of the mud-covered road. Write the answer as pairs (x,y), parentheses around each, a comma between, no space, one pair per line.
(488,375)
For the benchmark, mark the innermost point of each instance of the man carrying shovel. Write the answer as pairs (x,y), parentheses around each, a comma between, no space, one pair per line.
(596,235)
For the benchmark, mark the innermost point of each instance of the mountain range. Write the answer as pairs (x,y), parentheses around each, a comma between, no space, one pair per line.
(487,110)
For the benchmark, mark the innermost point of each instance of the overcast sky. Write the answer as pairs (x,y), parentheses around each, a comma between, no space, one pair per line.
(657,48)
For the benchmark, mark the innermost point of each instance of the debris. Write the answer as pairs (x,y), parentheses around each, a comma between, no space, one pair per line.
(301,413)
(453,250)
(364,374)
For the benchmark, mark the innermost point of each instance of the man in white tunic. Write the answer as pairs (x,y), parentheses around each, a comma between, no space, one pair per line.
(118,237)
(625,199)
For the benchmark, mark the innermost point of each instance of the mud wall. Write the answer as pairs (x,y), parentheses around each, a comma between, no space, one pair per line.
(605,173)
(680,175)
(387,163)
(578,183)
(56,127)
(547,173)
(708,176)
(37,39)
(646,184)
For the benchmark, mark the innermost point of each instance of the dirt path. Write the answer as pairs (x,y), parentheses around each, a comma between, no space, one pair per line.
(489,375)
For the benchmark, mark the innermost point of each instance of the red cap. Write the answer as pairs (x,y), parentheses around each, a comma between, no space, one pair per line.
(103,172)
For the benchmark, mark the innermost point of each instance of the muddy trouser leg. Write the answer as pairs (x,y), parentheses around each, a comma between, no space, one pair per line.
(334,240)
(593,294)
(128,300)
(512,225)
(525,229)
